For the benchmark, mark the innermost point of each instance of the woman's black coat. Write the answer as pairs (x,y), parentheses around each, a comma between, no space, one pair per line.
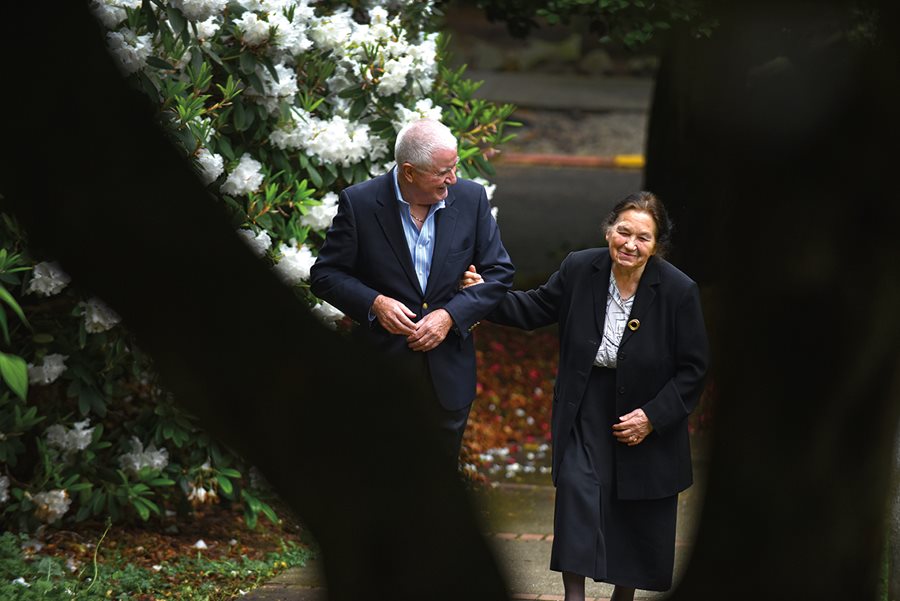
(660,366)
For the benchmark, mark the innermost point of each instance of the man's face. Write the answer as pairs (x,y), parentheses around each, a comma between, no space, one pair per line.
(428,185)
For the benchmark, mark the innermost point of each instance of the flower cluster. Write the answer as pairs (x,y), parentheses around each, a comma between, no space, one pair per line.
(98,317)
(258,243)
(47,279)
(140,458)
(51,505)
(50,368)
(295,263)
(70,440)
(4,489)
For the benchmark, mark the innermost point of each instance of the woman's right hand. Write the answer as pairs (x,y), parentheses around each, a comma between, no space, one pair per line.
(470,278)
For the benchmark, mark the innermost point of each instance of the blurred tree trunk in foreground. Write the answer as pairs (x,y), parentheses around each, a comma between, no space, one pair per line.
(774,145)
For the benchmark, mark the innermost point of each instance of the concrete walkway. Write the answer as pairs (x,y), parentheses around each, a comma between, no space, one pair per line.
(518,522)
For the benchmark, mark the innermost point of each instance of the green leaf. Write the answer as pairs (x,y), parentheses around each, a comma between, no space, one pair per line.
(6,297)
(225,485)
(14,372)
(141,506)
(43,338)
(248,63)
(176,20)
(314,175)
(159,63)
(230,472)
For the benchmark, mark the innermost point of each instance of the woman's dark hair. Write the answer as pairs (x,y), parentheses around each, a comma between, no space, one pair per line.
(648,203)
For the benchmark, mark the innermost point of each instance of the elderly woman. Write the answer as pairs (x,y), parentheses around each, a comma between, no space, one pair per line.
(633,355)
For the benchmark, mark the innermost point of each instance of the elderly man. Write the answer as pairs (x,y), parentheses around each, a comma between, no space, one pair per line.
(393,258)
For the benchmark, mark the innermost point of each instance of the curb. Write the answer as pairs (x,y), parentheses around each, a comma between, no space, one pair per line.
(618,161)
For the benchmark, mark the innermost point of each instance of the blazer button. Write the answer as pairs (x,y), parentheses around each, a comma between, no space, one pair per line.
(622,356)
(424,305)
(621,390)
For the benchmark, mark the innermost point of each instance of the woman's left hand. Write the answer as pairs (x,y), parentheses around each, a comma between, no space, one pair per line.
(633,428)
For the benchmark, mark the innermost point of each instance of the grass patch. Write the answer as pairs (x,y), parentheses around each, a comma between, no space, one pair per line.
(149,564)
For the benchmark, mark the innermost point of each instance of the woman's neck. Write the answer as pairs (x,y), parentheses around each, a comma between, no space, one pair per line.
(627,280)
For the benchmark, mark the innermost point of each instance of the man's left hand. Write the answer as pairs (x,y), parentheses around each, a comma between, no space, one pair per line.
(430,331)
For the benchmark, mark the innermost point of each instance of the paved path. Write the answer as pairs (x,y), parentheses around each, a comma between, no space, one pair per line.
(518,521)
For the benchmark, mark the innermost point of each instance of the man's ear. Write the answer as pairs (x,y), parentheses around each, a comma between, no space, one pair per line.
(405,172)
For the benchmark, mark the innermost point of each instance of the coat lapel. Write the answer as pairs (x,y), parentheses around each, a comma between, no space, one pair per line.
(643,298)
(600,286)
(388,216)
(444,227)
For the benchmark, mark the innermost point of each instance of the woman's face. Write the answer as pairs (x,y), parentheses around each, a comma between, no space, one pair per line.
(632,239)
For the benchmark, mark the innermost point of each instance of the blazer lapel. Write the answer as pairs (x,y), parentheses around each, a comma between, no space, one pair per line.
(444,227)
(600,286)
(388,216)
(643,298)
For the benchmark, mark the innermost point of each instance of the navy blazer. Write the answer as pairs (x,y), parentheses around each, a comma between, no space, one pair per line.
(660,365)
(365,254)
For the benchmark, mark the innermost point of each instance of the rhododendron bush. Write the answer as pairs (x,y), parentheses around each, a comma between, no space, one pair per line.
(278,104)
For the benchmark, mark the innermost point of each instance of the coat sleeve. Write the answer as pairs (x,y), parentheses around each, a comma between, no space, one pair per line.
(332,277)
(493,263)
(678,398)
(535,308)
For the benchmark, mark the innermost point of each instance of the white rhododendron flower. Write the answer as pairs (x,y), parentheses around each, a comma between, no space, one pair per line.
(423,109)
(488,186)
(328,314)
(51,505)
(211,165)
(70,440)
(332,32)
(295,263)
(4,489)
(284,88)
(108,12)
(290,37)
(394,78)
(130,49)
(98,317)
(207,29)
(50,368)
(319,217)
(47,279)
(200,494)
(200,10)
(140,458)
(254,31)
(258,243)
(337,140)
(245,178)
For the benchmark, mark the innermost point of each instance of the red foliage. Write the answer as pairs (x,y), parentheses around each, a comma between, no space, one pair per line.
(516,371)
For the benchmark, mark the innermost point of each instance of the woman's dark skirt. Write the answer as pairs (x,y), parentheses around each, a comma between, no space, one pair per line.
(595,534)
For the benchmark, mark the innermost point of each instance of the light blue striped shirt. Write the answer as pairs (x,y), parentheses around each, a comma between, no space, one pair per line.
(419,241)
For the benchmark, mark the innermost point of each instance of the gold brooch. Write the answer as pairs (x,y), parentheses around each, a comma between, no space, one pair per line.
(634,324)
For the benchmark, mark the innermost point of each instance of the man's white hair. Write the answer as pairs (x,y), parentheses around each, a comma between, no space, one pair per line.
(419,140)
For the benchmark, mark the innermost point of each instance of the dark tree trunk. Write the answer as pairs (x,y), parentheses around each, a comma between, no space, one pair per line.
(774,146)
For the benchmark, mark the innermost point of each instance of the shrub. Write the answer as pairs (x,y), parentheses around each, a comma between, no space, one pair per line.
(279,104)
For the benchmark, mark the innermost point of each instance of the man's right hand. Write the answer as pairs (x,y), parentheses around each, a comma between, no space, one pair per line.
(393,315)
